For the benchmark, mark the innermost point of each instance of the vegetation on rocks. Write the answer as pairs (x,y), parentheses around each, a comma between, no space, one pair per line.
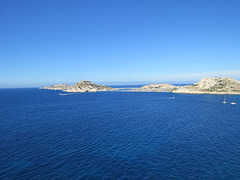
(216,85)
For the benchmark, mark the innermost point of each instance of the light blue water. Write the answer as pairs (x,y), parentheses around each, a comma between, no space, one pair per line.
(118,135)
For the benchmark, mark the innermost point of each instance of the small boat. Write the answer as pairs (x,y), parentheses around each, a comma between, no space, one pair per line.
(224,101)
(233,103)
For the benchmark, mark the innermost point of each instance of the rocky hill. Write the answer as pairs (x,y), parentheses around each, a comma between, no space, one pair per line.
(216,85)
(57,87)
(87,86)
(160,87)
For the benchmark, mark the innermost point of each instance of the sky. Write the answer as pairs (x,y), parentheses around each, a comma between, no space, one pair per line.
(117,41)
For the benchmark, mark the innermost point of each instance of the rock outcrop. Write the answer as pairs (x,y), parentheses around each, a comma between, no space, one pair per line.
(57,87)
(216,85)
(87,86)
(160,87)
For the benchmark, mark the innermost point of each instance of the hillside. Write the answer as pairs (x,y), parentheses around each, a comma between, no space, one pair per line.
(215,85)
(87,86)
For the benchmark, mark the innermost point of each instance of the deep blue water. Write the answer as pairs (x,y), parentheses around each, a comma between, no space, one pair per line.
(118,135)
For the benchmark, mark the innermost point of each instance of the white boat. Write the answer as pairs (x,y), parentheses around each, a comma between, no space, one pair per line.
(224,102)
(233,103)
(60,94)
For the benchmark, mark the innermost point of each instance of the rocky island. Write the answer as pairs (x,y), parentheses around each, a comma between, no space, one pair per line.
(215,85)
(82,86)
(160,87)
(87,86)
(57,87)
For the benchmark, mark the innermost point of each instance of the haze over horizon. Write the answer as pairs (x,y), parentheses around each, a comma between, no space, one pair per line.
(56,41)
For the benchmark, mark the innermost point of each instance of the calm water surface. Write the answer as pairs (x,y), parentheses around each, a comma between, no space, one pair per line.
(118,135)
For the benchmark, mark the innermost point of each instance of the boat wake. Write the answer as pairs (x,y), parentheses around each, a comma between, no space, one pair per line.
(61,94)
(167,98)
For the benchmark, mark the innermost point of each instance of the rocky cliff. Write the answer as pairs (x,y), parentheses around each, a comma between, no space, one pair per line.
(87,86)
(57,87)
(216,85)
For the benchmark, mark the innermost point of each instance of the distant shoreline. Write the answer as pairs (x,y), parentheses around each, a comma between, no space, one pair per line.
(216,85)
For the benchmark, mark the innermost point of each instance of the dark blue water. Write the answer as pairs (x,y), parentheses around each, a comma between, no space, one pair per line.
(118,135)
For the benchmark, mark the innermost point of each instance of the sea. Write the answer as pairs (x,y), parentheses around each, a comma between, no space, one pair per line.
(118,135)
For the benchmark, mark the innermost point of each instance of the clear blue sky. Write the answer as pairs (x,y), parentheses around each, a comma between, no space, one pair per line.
(48,41)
